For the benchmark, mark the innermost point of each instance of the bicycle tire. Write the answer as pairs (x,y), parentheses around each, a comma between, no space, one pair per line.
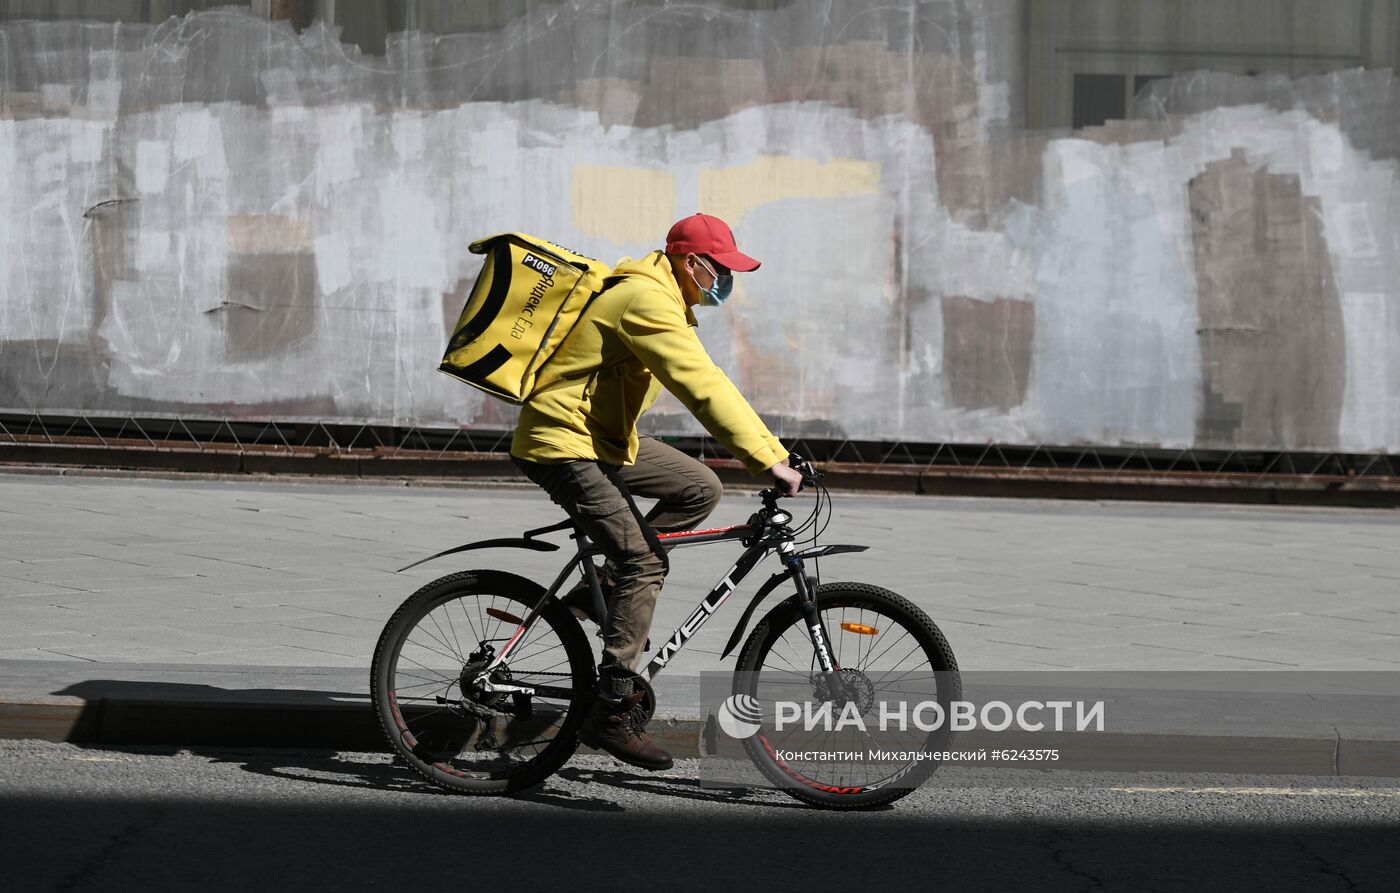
(410,746)
(771,628)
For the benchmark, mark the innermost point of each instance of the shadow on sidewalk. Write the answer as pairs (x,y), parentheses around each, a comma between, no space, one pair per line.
(119,711)
(313,736)
(301,735)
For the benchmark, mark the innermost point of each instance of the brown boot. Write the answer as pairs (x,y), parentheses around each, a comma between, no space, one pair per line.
(612,726)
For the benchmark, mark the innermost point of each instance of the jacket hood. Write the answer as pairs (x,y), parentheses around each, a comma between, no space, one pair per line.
(656,268)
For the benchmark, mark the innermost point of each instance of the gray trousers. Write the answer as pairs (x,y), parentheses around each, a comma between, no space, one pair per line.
(598,497)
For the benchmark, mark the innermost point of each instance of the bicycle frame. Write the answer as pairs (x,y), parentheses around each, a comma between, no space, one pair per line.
(766,531)
(721,591)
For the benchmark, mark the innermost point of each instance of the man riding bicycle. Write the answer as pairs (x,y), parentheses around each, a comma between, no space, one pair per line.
(577,439)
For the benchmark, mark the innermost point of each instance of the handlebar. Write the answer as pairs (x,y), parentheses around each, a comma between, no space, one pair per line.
(810,475)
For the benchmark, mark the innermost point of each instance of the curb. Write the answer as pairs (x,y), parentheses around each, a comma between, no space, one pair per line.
(294,723)
(468,469)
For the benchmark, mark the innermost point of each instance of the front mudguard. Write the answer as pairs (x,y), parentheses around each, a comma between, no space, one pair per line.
(763,592)
(774,582)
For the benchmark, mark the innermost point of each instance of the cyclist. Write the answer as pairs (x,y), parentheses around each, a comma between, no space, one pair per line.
(577,435)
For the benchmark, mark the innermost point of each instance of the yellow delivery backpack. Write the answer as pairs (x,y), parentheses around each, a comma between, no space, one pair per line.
(526,299)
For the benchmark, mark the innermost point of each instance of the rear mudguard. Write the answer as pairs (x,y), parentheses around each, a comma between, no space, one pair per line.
(504,543)
(527,541)
(774,582)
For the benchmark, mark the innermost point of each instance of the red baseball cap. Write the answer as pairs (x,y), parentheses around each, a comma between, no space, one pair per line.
(703,234)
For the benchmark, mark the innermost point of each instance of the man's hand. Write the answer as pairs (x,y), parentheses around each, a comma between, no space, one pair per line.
(789,480)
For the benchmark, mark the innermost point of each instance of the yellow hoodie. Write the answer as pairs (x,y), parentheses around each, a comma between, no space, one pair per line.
(588,397)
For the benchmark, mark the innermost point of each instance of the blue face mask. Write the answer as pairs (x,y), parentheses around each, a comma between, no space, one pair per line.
(719,290)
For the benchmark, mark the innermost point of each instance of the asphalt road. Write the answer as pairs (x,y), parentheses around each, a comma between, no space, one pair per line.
(76,818)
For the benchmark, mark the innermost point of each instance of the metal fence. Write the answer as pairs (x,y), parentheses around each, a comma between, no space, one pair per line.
(292,439)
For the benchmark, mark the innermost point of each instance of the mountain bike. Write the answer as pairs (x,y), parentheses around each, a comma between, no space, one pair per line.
(482,678)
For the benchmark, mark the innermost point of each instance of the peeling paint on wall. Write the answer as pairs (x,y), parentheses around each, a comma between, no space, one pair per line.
(623,204)
(731,192)
(270,300)
(221,216)
(1266,295)
(978,377)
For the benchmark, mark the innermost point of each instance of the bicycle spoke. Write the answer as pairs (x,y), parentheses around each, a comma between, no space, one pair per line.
(916,647)
(449,653)
(904,634)
(418,699)
(447,615)
(443,640)
(427,668)
(476,634)
(422,716)
(516,661)
(452,657)
(436,682)
(906,674)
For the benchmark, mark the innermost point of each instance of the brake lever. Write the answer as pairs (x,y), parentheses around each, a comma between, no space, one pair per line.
(810,475)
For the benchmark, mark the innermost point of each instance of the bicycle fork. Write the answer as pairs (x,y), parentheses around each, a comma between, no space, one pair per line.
(821,641)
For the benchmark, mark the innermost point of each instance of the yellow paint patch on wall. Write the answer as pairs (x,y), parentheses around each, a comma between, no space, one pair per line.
(623,204)
(730,193)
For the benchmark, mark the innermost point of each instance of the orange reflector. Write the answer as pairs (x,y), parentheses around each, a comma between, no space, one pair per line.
(505,615)
(859,628)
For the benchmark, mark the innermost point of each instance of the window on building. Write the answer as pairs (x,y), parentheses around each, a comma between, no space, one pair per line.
(1099,98)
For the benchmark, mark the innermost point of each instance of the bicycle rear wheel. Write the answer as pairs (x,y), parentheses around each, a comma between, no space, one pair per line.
(436,647)
(889,652)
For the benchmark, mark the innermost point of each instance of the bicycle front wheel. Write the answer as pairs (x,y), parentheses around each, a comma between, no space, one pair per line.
(889,652)
(432,656)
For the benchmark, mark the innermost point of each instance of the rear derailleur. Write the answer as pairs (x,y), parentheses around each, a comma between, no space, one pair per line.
(480,703)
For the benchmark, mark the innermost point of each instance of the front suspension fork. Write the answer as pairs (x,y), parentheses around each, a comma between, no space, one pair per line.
(816,628)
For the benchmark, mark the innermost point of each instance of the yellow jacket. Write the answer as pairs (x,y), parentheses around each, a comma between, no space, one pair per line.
(588,397)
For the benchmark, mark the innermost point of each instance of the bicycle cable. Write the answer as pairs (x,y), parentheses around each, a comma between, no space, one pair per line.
(823,504)
(811,520)
(822,493)
(817,561)
(808,522)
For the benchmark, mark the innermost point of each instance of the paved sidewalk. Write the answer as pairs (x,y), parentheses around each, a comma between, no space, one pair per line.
(279,582)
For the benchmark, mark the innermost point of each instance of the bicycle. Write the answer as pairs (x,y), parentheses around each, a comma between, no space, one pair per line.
(483,719)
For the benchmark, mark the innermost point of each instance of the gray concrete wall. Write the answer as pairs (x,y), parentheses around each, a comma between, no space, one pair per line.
(218,216)
(1150,38)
